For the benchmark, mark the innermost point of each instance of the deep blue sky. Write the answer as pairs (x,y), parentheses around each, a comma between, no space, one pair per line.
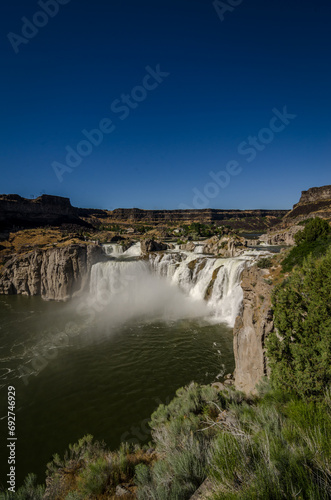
(225,79)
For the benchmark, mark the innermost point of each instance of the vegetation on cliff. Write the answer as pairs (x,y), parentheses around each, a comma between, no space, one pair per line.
(313,240)
(299,351)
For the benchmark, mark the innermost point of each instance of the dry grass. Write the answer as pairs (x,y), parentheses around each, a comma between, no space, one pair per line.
(30,239)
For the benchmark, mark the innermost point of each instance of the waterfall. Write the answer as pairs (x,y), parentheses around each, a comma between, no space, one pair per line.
(134,250)
(174,283)
(217,281)
(116,250)
(125,289)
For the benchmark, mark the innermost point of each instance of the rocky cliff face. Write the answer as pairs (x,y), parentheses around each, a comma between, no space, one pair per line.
(316,202)
(55,274)
(16,211)
(226,246)
(251,328)
(315,194)
(281,237)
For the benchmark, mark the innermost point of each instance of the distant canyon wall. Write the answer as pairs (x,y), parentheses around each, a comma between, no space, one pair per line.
(18,212)
(186,216)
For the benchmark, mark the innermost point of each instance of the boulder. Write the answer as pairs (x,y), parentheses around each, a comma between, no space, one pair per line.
(152,246)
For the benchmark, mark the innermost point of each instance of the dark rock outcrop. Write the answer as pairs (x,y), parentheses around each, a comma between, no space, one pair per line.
(152,246)
(55,274)
(16,211)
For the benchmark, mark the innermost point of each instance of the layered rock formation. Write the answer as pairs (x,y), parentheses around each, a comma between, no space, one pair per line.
(188,216)
(251,328)
(16,211)
(315,202)
(55,274)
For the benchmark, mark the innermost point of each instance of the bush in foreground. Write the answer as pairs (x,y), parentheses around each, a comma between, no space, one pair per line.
(277,449)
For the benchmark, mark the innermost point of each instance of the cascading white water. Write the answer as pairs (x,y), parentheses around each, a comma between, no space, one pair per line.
(227,295)
(124,289)
(205,278)
(199,247)
(181,284)
(116,250)
(133,251)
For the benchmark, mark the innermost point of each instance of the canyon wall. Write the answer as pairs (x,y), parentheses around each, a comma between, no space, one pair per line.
(54,274)
(207,215)
(16,211)
(251,328)
(315,202)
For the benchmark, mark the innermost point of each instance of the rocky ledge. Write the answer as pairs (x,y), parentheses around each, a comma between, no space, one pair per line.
(225,246)
(54,274)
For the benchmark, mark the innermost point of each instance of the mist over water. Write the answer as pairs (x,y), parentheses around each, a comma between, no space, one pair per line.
(130,290)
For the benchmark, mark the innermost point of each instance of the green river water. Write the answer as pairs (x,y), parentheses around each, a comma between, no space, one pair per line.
(77,378)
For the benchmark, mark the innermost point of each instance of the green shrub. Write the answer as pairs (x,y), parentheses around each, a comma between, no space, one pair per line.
(265,263)
(73,495)
(314,229)
(94,479)
(183,434)
(271,453)
(314,240)
(299,351)
(29,491)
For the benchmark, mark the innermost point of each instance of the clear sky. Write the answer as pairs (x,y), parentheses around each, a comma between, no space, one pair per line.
(177,89)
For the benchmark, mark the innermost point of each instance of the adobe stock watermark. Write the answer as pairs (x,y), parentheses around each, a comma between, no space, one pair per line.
(222,7)
(250,148)
(121,108)
(40,19)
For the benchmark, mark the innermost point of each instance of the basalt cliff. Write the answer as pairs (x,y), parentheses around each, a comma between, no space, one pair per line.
(18,212)
(54,274)
(251,328)
(315,202)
